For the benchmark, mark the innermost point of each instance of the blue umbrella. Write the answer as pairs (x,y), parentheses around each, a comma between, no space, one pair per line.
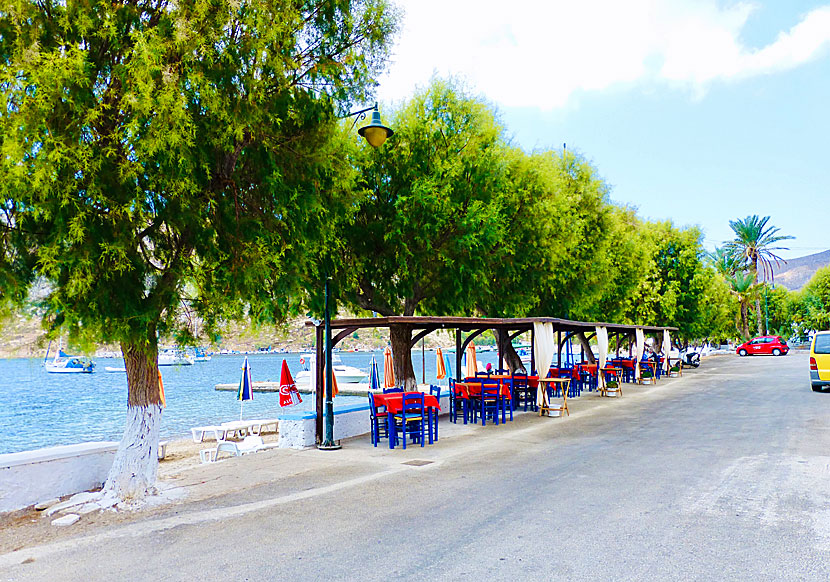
(246,387)
(374,376)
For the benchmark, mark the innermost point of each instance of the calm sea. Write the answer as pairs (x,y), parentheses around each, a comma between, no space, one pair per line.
(38,409)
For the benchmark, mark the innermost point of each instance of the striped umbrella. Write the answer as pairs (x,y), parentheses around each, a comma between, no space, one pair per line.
(472,363)
(246,387)
(441,370)
(374,375)
(388,369)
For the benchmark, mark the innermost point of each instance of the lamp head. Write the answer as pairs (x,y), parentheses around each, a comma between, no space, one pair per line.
(375,133)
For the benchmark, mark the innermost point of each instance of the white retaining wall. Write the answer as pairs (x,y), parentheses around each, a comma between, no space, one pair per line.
(30,477)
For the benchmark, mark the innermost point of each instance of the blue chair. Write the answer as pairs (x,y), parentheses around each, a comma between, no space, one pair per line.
(456,402)
(522,392)
(409,422)
(490,401)
(506,401)
(379,421)
(392,390)
(433,414)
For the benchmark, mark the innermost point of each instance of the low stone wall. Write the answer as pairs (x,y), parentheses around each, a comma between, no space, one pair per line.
(297,431)
(30,477)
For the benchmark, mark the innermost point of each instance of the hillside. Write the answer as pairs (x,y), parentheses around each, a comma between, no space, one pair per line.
(22,337)
(795,273)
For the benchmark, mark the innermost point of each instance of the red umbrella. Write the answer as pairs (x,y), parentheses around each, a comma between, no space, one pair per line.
(289,395)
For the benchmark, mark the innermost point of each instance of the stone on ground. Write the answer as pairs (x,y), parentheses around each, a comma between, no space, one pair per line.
(66,520)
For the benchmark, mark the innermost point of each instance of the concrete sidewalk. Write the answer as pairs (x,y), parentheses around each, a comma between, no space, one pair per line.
(237,486)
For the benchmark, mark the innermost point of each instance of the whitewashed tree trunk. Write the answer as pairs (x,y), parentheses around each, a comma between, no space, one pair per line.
(133,473)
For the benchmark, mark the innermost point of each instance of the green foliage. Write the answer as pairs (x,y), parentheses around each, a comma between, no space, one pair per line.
(753,245)
(815,301)
(430,214)
(674,283)
(164,163)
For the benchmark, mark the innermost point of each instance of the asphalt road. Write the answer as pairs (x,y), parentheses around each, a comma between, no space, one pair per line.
(724,475)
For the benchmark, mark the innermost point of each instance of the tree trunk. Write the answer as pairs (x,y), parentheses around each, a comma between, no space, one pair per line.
(134,469)
(744,320)
(760,316)
(586,346)
(401,337)
(511,358)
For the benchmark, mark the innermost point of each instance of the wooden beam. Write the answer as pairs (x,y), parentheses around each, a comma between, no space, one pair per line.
(416,338)
(344,333)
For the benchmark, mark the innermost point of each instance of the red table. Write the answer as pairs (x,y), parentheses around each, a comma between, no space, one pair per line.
(472,388)
(393,401)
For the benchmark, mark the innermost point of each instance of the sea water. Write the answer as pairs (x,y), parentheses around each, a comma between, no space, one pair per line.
(38,409)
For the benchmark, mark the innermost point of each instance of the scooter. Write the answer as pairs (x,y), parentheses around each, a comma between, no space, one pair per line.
(690,358)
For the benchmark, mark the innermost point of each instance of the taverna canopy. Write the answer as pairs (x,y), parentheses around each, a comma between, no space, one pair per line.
(475,326)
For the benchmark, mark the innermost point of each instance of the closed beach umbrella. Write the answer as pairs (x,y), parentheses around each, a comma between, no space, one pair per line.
(441,370)
(374,375)
(162,399)
(335,390)
(388,369)
(289,395)
(472,363)
(246,387)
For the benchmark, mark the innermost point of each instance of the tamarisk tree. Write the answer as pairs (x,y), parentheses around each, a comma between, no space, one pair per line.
(164,158)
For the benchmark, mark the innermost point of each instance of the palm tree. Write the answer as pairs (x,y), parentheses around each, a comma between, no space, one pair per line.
(753,243)
(743,286)
(725,262)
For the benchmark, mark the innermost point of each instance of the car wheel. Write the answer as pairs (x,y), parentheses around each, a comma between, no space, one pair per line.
(776,352)
(742,353)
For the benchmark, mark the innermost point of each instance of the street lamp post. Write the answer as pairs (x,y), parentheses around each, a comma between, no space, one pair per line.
(376,134)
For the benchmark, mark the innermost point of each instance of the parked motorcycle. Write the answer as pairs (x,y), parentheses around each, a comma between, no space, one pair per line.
(689,358)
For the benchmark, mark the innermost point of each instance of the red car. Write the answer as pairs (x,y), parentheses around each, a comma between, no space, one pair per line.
(764,344)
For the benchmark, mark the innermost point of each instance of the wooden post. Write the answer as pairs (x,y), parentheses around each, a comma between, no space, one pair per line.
(458,355)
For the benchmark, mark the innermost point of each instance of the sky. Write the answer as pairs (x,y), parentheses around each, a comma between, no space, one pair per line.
(695,111)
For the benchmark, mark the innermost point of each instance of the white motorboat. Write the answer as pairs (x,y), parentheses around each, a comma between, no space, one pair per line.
(344,374)
(173,357)
(65,364)
(115,369)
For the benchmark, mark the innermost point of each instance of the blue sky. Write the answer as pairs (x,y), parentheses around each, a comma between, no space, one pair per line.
(692,110)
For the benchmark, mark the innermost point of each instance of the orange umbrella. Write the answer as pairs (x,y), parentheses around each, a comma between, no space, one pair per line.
(472,363)
(388,369)
(441,370)
(161,392)
(334,389)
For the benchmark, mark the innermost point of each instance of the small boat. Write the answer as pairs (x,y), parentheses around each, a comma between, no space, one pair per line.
(174,357)
(200,355)
(344,374)
(66,364)
(115,369)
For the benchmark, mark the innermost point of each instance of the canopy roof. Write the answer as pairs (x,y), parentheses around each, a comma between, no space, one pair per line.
(475,323)
(424,325)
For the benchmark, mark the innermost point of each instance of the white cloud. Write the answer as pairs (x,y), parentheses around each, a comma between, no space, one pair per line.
(536,53)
